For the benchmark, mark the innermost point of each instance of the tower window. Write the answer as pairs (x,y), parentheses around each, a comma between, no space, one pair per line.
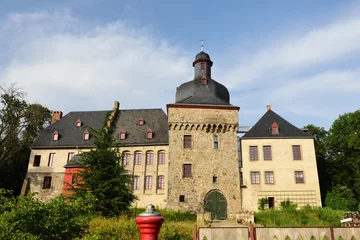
(216,142)
(203,67)
(140,122)
(182,198)
(187,171)
(187,141)
(203,80)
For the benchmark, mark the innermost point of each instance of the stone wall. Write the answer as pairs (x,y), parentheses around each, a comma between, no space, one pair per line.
(207,162)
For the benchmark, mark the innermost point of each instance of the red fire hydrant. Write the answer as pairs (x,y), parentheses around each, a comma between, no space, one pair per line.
(149,223)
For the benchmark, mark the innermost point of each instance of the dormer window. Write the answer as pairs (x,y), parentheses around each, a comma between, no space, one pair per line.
(203,80)
(78,123)
(86,135)
(202,67)
(122,134)
(274,128)
(140,122)
(55,136)
(149,134)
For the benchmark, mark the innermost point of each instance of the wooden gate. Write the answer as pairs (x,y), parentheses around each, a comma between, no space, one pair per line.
(215,203)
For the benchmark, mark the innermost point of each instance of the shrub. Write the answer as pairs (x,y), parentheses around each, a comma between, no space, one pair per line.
(341,198)
(262,202)
(29,218)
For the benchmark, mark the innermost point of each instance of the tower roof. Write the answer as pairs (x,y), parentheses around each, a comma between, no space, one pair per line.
(202,89)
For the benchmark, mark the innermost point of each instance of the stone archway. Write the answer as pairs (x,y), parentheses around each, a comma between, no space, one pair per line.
(215,203)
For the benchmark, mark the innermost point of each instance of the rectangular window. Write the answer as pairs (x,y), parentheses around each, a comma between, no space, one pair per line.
(137,158)
(51,159)
(241,179)
(269,177)
(182,198)
(37,160)
(126,158)
(296,152)
(187,141)
(149,158)
(47,182)
(161,182)
(299,176)
(148,182)
(74,179)
(161,158)
(202,66)
(136,183)
(216,142)
(255,178)
(187,170)
(267,152)
(253,153)
(70,156)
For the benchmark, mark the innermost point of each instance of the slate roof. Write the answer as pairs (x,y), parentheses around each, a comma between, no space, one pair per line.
(262,129)
(75,161)
(193,92)
(72,136)
(69,134)
(154,119)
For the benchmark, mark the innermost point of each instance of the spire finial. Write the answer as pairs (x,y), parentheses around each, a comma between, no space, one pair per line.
(202,44)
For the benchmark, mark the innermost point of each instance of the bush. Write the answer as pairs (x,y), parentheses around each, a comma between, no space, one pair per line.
(29,218)
(262,202)
(341,198)
(125,228)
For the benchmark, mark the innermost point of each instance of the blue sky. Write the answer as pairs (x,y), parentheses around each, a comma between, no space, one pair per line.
(302,57)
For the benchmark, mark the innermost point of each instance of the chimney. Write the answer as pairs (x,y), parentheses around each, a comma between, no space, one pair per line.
(116,105)
(268,107)
(55,116)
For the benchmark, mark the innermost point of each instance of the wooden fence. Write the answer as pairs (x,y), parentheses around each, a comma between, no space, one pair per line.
(278,233)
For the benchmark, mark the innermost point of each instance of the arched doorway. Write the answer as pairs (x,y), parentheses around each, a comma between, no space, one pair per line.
(215,203)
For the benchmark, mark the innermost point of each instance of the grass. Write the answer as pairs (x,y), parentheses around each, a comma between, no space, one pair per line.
(306,216)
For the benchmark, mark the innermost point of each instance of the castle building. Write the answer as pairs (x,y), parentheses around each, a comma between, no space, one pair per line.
(188,159)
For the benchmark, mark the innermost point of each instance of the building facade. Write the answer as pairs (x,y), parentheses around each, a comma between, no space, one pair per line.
(188,159)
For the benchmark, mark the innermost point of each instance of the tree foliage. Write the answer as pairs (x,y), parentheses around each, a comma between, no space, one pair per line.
(104,177)
(20,123)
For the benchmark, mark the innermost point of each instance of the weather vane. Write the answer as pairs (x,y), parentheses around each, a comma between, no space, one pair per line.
(202,44)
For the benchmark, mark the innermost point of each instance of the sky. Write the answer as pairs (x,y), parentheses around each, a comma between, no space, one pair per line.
(302,57)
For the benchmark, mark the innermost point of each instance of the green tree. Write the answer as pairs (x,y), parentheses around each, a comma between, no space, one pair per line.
(341,198)
(20,123)
(321,151)
(104,177)
(344,152)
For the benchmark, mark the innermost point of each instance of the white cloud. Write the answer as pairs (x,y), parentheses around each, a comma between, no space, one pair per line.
(70,65)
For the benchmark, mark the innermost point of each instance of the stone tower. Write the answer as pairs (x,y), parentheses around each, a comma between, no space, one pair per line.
(203,160)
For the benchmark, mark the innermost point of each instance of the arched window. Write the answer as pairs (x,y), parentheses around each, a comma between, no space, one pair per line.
(55,136)
(86,135)
(161,182)
(138,157)
(274,128)
(161,158)
(78,123)
(149,134)
(149,158)
(140,122)
(126,158)
(122,134)
(203,80)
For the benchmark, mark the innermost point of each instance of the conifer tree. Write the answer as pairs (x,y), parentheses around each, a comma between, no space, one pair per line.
(104,182)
